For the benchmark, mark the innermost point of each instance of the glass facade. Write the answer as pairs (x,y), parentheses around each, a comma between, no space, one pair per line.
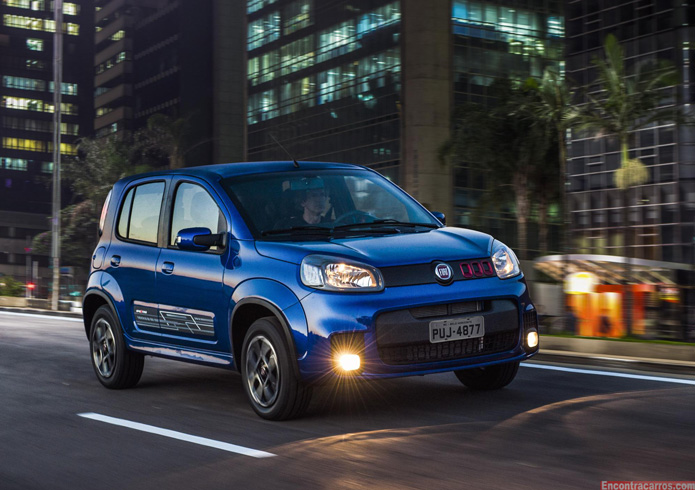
(326,86)
(661,213)
(492,40)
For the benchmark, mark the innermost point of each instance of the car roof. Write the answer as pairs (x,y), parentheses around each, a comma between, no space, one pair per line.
(224,170)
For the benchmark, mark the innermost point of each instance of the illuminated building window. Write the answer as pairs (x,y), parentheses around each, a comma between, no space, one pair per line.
(117,36)
(25,4)
(71,9)
(23,104)
(65,107)
(255,5)
(66,148)
(336,41)
(111,62)
(35,44)
(36,65)
(34,84)
(24,144)
(38,146)
(34,24)
(46,167)
(263,31)
(297,95)
(262,106)
(22,83)
(65,88)
(297,15)
(297,55)
(102,111)
(381,17)
(14,164)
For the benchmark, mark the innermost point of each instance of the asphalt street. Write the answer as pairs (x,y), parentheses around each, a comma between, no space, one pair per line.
(184,426)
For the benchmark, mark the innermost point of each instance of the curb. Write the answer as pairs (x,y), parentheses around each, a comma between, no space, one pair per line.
(613,350)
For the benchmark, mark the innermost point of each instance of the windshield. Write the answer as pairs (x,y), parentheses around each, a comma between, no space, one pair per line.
(311,204)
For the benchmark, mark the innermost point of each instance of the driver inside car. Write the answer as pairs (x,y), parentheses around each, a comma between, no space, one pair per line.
(313,204)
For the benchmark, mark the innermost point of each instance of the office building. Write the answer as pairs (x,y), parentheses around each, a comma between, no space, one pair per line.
(183,59)
(26,118)
(374,82)
(661,212)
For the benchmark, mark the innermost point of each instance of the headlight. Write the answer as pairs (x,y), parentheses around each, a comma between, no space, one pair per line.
(334,274)
(505,262)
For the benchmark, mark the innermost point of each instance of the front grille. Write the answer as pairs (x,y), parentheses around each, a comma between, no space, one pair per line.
(433,311)
(422,352)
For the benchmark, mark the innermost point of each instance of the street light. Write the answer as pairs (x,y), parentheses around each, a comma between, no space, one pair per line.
(57,89)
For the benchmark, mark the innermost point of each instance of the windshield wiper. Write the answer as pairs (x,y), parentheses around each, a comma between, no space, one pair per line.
(300,230)
(393,223)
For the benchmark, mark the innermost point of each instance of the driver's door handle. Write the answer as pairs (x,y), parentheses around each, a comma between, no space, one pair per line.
(168,267)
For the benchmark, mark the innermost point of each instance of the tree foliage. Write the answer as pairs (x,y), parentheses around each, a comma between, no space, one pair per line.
(9,286)
(511,147)
(99,164)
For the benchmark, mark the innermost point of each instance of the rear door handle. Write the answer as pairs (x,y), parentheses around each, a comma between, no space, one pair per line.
(116,260)
(168,267)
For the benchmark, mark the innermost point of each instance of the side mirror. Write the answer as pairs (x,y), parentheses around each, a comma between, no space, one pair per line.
(199,239)
(439,216)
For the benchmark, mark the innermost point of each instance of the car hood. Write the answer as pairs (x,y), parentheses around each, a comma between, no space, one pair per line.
(384,251)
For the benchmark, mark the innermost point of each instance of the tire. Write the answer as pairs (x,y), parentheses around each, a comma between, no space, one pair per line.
(269,378)
(115,366)
(489,377)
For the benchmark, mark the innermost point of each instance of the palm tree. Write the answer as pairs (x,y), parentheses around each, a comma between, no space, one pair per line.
(626,104)
(553,108)
(503,142)
(167,135)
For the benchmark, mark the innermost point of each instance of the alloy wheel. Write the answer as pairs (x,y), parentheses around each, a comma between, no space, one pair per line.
(104,348)
(262,371)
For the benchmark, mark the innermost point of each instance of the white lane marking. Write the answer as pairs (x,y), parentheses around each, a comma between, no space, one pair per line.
(45,317)
(232,448)
(612,374)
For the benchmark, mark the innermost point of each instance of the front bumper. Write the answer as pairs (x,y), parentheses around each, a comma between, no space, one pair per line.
(390,329)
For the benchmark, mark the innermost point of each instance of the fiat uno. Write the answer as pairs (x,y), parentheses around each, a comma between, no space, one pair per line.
(295,273)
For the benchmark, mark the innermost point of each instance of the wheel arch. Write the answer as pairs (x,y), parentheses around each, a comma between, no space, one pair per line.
(93,300)
(246,312)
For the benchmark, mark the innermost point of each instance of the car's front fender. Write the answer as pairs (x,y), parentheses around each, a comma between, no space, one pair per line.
(278,299)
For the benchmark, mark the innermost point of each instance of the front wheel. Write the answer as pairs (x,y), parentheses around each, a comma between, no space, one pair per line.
(489,377)
(270,382)
(115,366)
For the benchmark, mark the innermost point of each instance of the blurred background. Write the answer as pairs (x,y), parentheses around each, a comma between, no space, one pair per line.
(562,128)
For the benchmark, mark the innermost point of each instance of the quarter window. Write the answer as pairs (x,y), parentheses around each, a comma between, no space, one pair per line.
(195,208)
(139,218)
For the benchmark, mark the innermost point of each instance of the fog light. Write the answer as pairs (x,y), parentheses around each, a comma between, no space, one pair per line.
(532,339)
(348,362)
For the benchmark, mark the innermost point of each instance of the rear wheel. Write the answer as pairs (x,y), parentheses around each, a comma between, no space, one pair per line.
(115,366)
(270,382)
(489,377)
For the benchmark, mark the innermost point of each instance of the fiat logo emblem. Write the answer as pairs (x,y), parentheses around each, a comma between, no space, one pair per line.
(443,272)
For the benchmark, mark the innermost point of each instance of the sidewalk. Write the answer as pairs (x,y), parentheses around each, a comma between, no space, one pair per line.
(615,350)
(39,311)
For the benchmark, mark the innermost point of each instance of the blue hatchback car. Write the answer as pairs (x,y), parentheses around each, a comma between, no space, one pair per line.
(295,273)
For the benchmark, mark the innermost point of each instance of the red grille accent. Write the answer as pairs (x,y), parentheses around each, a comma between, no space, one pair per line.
(477,268)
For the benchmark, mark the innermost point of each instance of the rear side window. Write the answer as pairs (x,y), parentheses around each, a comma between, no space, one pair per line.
(105,207)
(139,217)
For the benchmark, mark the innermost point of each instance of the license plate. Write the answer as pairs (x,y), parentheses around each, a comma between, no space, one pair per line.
(456,329)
